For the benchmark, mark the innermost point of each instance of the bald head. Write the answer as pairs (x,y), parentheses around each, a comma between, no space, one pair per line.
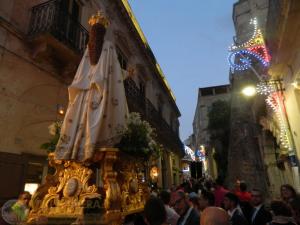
(214,216)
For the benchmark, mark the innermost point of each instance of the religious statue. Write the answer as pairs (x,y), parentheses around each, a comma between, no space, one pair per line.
(96,113)
(97,103)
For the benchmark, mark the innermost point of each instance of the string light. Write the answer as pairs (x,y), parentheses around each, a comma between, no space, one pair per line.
(274,100)
(241,58)
(255,48)
(265,88)
(244,62)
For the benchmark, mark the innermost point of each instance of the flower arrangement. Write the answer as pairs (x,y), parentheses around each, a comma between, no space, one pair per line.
(54,131)
(137,138)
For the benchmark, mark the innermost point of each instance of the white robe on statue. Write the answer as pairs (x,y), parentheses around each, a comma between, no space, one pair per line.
(97,107)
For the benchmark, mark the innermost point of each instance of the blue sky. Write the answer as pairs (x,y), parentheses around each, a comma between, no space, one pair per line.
(189,39)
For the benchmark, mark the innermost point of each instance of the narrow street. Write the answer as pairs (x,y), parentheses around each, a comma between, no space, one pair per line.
(126,112)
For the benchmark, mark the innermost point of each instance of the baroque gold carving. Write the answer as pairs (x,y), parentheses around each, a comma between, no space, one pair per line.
(65,192)
(134,191)
(66,196)
(113,193)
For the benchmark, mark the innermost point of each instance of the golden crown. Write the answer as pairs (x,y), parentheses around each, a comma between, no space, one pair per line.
(99,18)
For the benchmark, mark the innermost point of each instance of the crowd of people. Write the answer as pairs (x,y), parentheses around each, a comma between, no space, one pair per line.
(201,202)
(205,202)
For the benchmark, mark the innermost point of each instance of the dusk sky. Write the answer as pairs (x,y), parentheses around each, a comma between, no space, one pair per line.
(189,39)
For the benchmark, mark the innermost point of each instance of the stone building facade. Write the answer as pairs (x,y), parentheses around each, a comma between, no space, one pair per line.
(245,159)
(41,44)
(282,37)
(278,164)
(206,97)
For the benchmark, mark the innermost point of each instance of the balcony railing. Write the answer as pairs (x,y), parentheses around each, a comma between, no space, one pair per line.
(135,100)
(49,17)
(142,105)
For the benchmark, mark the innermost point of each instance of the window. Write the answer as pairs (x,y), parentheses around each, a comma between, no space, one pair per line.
(70,7)
(69,16)
(206,91)
(221,90)
(122,59)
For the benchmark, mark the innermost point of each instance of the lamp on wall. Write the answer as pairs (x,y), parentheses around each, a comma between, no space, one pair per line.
(60,109)
(249,91)
(154,173)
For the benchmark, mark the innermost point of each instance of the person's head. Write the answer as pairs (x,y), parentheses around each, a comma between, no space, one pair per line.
(194,200)
(180,202)
(257,197)
(165,196)
(243,186)
(154,211)
(231,201)
(24,198)
(219,181)
(279,208)
(214,216)
(295,207)
(173,188)
(208,185)
(237,184)
(206,199)
(287,192)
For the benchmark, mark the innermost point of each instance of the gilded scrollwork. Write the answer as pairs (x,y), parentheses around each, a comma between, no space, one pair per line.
(134,193)
(66,196)
(65,192)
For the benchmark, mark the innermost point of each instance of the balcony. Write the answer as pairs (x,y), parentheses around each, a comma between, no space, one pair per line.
(137,103)
(55,36)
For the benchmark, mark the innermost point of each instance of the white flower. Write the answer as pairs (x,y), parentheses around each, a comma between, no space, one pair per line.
(52,129)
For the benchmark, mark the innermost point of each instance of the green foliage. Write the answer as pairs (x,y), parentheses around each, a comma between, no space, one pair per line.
(54,130)
(138,138)
(219,116)
(219,128)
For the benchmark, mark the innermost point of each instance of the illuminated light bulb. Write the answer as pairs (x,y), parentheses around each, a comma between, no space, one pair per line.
(60,110)
(249,91)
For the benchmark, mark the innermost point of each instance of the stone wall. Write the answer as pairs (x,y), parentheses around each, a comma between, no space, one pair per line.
(245,160)
(34,80)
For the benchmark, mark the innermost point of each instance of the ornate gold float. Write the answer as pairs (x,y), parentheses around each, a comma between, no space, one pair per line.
(65,192)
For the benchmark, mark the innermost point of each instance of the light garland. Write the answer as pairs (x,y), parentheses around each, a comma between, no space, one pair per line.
(189,152)
(241,58)
(265,88)
(255,48)
(274,100)
(244,60)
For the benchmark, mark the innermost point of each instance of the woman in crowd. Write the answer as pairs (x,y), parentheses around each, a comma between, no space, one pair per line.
(287,192)
(281,214)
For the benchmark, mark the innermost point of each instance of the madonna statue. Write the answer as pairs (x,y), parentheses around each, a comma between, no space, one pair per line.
(97,103)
